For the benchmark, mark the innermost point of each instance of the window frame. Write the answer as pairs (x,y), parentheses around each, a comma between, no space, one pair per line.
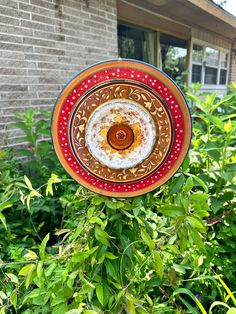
(203,64)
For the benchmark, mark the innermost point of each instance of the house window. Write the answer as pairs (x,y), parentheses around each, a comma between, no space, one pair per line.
(136,43)
(173,56)
(209,65)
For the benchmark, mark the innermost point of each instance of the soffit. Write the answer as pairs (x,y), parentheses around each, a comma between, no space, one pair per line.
(192,13)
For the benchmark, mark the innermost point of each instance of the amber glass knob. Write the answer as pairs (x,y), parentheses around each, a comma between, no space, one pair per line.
(120,136)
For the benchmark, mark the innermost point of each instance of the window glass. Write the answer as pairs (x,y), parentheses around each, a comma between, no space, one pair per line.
(210,75)
(197,53)
(223,59)
(212,56)
(196,73)
(173,56)
(136,43)
(223,76)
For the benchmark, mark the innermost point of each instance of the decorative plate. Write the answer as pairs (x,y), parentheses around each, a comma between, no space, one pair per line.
(121,128)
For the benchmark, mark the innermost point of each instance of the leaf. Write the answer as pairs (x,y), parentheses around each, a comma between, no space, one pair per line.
(42,246)
(39,269)
(228,126)
(26,270)
(114,204)
(130,307)
(196,223)
(99,293)
(5,205)
(82,256)
(30,255)
(13,299)
(158,264)
(3,220)
(199,181)
(111,270)
(177,184)
(147,239)
(230,293)
(97,200)
(86,289)
(191,295)
(109,255)
(28,183)
(101,236)
(232,310)
(50,269)
(216,303)
(188,185)
(3,295)
(172,211)
(90,312)
(12,277)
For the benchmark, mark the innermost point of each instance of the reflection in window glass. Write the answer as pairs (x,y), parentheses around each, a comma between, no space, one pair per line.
(223,59)
(173,56)
(210,75)
(212,56)
(196,73)
(223,76)
(136,43)
(197,53)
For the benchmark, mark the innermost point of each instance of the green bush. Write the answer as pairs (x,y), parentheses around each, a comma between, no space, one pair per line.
(67,250)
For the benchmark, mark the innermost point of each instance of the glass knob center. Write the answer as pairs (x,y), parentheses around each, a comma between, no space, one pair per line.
(120,136)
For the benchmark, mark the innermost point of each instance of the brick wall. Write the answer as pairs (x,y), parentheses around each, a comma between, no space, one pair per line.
(43,44)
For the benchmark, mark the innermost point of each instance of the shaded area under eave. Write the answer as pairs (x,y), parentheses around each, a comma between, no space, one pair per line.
(194,13)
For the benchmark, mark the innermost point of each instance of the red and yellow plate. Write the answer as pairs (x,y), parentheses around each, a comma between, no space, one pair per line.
(121,128)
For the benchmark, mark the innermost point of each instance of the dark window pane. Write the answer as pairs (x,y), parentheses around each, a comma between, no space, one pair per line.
(223,76)
(210,75)
(173,56)
(196,73)
(136,43)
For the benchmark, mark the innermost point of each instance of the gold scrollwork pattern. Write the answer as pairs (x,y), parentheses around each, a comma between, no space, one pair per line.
(133,93)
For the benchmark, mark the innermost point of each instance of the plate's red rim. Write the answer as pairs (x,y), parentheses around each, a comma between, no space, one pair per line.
(93,90)
(136,72)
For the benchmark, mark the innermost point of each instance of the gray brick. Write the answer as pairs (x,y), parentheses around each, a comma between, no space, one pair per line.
(14,13)
(13,87)
(17,95)
(44,19)
(95,25)
(43,4)
(49,51)
(44,87)
(12,55)
(12,106)
(7,71)
(38,42)
(38,26)
(18,64)
(15,79)
(50,36)
(9,20)
(39,102)
(7,29)
(47,94)
(36,9)
(15,47)
(9,4)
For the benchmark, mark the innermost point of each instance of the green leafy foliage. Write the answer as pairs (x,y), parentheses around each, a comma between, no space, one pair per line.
(67,250)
